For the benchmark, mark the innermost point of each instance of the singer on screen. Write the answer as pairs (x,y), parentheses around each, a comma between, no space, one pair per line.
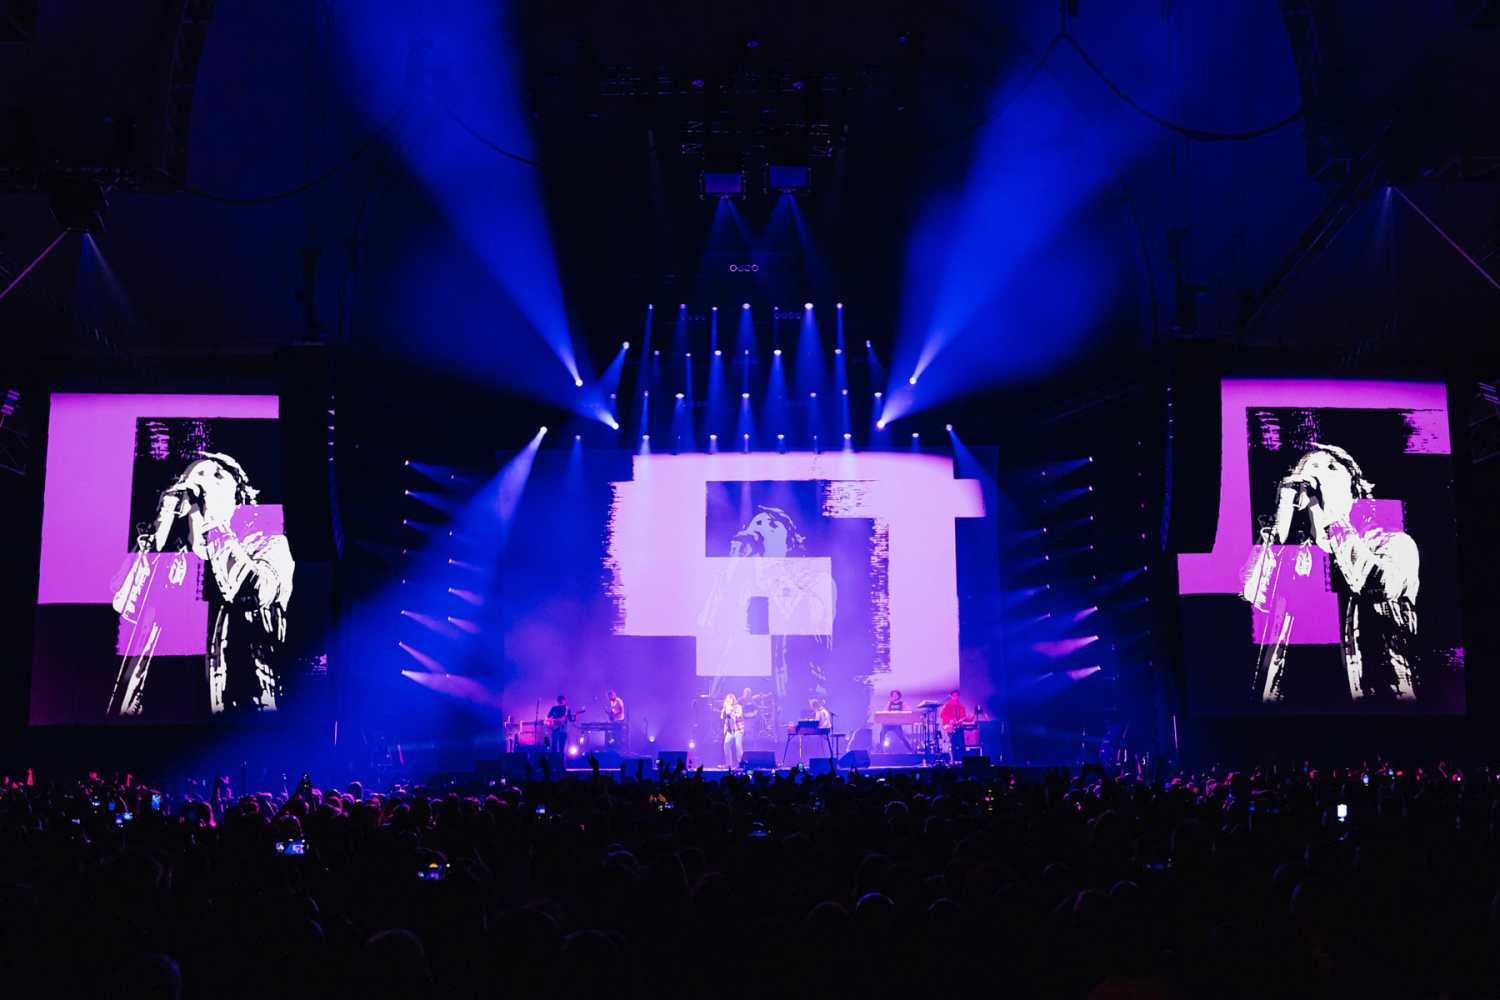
(1325,504)
(208,523)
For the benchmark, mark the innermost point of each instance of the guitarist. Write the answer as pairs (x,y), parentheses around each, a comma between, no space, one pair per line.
(558,717)
(955,720)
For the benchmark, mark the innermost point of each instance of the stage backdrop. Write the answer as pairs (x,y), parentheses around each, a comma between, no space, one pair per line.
(1332,585)
(676,578)
(168,590)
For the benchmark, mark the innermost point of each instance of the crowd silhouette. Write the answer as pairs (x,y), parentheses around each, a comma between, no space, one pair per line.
(1273,882)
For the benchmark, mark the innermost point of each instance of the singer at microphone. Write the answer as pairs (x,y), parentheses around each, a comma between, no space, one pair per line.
(1372,571)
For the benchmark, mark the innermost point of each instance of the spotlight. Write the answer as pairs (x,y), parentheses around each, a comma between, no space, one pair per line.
(543,430)
(692,744)
(578,382)
(880,425)
(777,352)
(679,395)
(843,392)
(407,462)
(650,306)
(915,435)
(838,305)
(406,492)
(625,346)
(812,395)
(682,305)
(847,435)
(747,437)
(713,437)
(645,437)
(646,393)
(718,354)
(878,395)
(912,380)
(867,343)
(713,308)
(689,354)
(745,305)
(948,428)
(807,306)
(781,437)
(744,395)
(611,395)
(656,354)
(838,350)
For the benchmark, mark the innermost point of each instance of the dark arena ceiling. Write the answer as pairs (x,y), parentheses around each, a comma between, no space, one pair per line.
(481,178)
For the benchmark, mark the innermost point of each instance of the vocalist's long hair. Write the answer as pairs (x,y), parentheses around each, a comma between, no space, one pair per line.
(1361,487)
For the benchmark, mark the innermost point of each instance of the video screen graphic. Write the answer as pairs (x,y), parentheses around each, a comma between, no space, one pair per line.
(1332,584)
(677,579)
(166,578)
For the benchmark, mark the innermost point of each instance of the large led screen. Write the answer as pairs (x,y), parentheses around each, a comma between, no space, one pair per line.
(167,585)
(675,579)
(1332,585)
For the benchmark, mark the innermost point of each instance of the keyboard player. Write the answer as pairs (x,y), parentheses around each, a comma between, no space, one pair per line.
(888,731)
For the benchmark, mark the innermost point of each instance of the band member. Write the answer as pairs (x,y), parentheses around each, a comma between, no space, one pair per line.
(894,704)
(615,714)
(558,717)
(955,721)
(1324,503)
(210,513)
(820,714)
(733,717)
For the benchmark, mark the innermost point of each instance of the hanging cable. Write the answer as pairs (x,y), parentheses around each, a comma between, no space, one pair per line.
(490,145)
(1186,131)
(367,144)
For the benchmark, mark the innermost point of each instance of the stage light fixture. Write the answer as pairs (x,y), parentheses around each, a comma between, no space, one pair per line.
(812,395)
(645,437)
(948,428)
(713,437)
(912,380)
(915,435)
(744,395)
(679,395)
(578,382)
(625,346)
(718,354)
(838,305)
(838,350)
(808,306)
(847,435)
(577,437)
(713,308)
(656,354)
(781,437)
(745,305)
(723,183)
(649,306)
(777,352)
(689,354)
(543,430)
(843,392)
(880,425)
(682,305)
(878,395)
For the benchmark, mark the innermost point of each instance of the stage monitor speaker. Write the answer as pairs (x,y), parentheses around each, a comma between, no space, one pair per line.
(822,765)
(855,758)
(896,759)
(671,760)
(759,760)
(976,765)
(862,739)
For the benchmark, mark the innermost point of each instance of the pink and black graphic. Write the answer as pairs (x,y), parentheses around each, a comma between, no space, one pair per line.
(807,564)
(1332,584)
(165,574)
(677,579)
